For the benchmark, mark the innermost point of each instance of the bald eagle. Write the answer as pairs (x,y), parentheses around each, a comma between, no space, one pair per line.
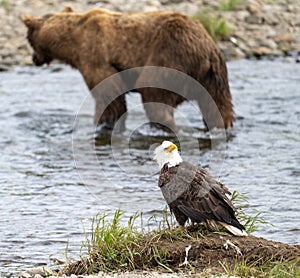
(192,193)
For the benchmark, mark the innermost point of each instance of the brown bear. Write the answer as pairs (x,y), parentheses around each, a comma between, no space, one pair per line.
(100,43)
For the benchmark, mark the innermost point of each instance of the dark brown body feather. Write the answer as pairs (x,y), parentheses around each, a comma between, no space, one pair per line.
(192,193)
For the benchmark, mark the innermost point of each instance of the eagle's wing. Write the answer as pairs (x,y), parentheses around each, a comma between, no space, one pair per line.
(206,198)
(210,184)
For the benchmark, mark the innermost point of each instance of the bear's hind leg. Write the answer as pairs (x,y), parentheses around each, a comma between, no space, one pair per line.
(160,114)
(215,116)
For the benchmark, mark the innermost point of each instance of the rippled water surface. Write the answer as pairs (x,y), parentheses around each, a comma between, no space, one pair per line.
(54,176)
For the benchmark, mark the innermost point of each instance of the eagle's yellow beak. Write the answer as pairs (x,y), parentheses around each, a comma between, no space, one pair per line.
(171,148)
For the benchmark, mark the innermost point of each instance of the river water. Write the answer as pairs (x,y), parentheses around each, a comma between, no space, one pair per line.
(54,176)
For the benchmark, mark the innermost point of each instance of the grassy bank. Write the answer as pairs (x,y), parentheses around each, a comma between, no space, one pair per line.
(213,21)
(116,247)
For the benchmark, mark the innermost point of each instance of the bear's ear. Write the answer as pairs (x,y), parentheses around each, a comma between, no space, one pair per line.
(68,9)
(30,21)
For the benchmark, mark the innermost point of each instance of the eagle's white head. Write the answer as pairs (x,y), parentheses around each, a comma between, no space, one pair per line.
(167,152)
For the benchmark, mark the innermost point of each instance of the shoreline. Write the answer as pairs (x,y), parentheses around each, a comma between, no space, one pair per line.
(258,28)
(116,250)
(250,247)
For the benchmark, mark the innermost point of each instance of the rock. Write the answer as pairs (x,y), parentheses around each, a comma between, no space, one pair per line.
(264,51)
(286,38)
(231,51)
(242,46)
(260,51)
(270,32)
(187,8)
(150,9)
(97,2)
(296,47)
(168,2)
(241,15)
(4,68)
(252,43)
(254,8)
(25,275)
(38,272)
(255,19)
(268,43)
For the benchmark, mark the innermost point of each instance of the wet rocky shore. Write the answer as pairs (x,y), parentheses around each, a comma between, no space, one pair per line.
(258,28)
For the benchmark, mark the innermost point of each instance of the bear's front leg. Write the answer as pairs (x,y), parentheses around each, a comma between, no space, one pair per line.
(113,117)
(108,90)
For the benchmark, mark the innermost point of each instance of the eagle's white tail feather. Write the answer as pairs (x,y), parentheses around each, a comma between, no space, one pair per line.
(234,230)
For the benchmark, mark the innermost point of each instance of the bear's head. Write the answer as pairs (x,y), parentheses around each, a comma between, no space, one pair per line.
(37,37)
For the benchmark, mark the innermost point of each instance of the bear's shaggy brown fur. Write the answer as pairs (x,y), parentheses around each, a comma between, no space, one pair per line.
(100,43)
